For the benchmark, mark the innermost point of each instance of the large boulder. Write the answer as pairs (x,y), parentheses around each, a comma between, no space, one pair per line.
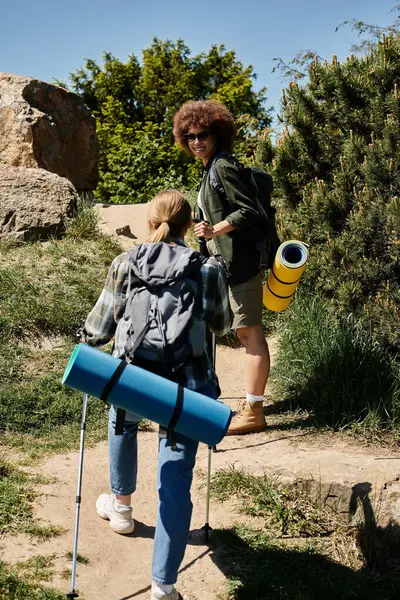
(34,202)
(47,127)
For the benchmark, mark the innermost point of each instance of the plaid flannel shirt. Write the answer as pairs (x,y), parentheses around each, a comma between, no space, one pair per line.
(106,321)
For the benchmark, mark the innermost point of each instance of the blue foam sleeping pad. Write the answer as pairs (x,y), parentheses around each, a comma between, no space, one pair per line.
(147,395)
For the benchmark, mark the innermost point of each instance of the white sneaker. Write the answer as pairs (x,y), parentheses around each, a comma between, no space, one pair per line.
(120,516)
(159,595)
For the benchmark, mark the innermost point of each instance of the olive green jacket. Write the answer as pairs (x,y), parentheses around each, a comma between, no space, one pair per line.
(237,248)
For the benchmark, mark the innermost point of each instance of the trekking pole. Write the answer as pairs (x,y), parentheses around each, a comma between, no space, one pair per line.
(212,349)
(214,358)
(207,527)
(72,594)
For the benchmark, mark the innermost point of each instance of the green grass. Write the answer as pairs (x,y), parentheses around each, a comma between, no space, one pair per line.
(50,287)
(16,504)
(42,405)
(335,371)
(39,415)
(12,359)
(14,586)
(46,292)
(37,569)
(304,551)
(286,511)
(85,224)
(83,560)
(66,573)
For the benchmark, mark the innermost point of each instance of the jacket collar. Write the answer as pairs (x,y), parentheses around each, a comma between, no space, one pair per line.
(211,160)
(178,241)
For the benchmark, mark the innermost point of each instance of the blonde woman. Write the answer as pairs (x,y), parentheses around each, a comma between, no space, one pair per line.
(169,219)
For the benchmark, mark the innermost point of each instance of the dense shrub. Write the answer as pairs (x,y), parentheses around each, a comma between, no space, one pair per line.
(333,368)
(134,103)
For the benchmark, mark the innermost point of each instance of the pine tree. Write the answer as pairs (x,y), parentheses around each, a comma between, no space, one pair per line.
(337,180)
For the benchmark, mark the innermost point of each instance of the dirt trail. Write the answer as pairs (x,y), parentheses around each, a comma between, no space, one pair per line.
(119,566)
(127,222)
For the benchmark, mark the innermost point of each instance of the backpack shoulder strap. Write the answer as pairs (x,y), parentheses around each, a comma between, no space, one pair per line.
(198,279)
(133,286)
(214,177)
(215,180)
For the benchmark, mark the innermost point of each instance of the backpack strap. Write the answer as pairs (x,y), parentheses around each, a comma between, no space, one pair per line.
(169,432)
(119,424)
(260,207)
(215,181)
(199,281)
(175,416)
(120,421)
(139,337)
(113,380)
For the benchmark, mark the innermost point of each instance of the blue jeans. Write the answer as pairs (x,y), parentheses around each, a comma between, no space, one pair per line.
(174,479)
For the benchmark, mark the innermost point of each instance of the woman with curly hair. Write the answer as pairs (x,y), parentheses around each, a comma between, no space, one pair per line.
(229,223)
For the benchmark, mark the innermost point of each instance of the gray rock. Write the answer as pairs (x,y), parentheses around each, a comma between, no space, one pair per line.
(34,202)
(126,231)
(45,126)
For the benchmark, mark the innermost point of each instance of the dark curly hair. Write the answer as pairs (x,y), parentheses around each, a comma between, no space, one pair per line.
(209,114)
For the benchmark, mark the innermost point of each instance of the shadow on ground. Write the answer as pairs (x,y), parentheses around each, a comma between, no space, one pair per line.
(260,568)
(270,572)
(379,546)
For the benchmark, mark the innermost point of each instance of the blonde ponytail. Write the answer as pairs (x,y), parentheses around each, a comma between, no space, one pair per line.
(161,234)
(169,215)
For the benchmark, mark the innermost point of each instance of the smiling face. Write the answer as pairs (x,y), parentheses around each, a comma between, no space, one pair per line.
(201,143)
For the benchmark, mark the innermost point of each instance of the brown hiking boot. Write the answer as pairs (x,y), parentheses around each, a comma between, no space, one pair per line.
(249,419)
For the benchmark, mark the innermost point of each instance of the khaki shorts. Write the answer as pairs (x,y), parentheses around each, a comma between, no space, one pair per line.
(246,302)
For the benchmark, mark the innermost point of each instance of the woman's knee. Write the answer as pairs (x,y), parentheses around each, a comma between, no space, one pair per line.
(251,335)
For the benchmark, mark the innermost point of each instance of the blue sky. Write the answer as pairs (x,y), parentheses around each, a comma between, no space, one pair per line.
(48,38)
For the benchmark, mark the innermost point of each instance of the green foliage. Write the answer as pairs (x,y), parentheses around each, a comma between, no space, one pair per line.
(334,369)
(134,106)
(138,169)
(287,511)
(337,183)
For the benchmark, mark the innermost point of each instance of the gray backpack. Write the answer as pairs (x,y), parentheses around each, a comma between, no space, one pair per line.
(164,313)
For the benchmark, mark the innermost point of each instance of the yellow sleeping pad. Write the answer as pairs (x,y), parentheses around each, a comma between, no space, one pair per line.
(289,264)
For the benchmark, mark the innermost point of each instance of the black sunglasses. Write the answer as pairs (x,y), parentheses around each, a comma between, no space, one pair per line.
(202,135)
